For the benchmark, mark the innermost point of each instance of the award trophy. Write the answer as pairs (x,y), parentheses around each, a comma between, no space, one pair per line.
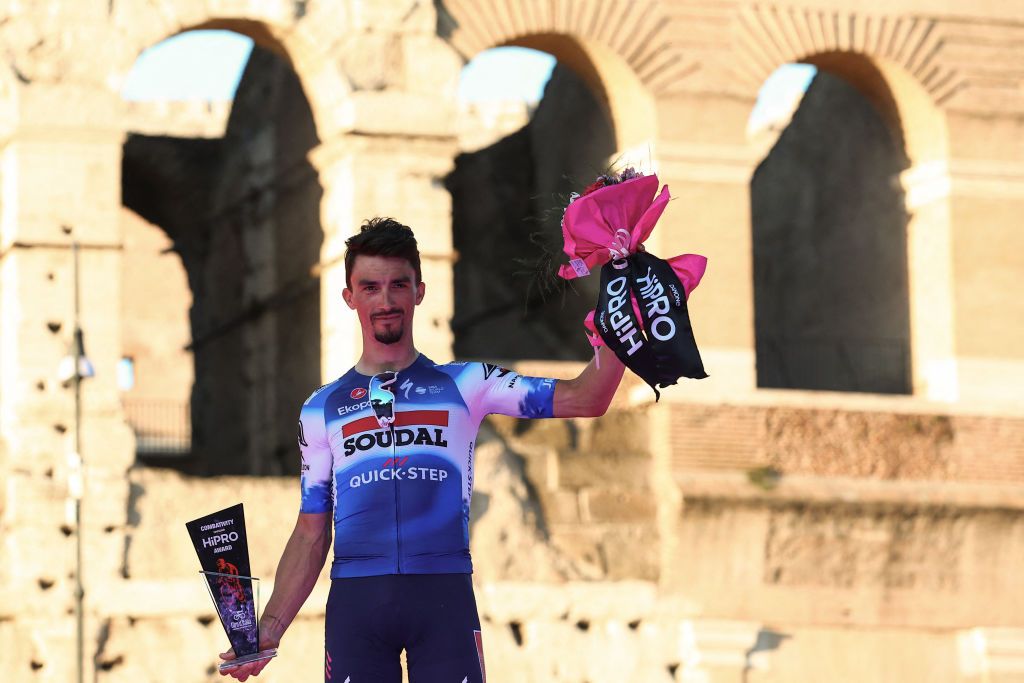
(219,540)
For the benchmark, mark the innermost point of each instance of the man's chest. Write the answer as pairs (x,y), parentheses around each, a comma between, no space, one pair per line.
(427,417)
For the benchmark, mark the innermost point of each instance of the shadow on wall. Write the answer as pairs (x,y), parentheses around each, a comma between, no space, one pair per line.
(243,212)
(507,202)
(830,250)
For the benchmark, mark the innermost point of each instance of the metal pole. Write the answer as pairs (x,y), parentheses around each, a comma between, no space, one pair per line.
(79,589)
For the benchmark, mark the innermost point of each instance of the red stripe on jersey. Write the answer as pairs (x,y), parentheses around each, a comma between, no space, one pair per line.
(407,418)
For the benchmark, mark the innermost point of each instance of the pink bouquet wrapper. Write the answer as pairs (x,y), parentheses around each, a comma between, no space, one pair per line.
(610,222)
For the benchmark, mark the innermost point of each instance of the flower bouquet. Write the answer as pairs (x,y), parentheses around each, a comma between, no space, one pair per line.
(641,310)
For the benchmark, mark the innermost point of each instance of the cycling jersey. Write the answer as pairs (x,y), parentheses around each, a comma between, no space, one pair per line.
(400,492)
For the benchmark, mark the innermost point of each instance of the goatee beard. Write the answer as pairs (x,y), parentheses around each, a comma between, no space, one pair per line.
(388,336)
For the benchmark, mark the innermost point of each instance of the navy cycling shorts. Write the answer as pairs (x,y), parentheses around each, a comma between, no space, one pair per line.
(433,617)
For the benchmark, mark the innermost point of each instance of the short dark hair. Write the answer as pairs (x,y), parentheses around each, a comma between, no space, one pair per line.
(382,237)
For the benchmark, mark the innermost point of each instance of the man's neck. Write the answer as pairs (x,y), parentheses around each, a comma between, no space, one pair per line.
(377,357)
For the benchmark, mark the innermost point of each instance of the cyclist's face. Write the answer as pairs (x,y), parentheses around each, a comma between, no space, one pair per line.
(384,294)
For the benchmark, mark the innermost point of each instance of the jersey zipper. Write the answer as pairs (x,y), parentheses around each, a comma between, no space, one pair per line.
(398,514)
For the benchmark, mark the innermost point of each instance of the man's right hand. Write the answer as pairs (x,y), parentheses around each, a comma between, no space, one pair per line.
(243,671)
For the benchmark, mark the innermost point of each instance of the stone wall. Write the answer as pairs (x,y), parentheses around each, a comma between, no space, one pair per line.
(883,441)
(582,547)
(861,545)
(245,218)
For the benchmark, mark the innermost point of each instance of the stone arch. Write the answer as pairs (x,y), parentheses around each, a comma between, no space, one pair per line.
(626,56)
(303,45)
(309,43)
(243,209)
(769,36)
(825,212)
(505,225)
(894,62)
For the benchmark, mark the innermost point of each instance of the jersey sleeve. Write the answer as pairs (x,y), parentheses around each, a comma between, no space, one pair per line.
(317,460)
(495,389)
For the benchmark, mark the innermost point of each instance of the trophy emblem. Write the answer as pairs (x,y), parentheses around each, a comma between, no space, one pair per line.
(220,542)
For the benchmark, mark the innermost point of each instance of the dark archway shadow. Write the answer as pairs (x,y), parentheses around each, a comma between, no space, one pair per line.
(507,202)
(829,224)
(243,212)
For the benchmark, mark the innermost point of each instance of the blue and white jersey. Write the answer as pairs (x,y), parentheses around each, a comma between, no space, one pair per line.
(400,493)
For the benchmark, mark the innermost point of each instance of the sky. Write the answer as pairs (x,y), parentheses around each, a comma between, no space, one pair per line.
(195,65)
(207,65)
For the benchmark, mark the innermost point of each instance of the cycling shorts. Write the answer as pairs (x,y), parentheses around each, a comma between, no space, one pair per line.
(433,617)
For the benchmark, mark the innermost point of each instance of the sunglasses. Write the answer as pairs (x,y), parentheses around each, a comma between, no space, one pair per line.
(382,399)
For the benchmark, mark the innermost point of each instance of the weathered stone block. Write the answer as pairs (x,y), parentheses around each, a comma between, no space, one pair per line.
(626,600)
(509,522)
(616,505)
(40,451)
(732,534)
(581,546)
(818,546)
(384,113)
(39,553)
(401,181)
(125,655)
(143,25)
(561,508)
(402,15)
(430,65)
(881,654)
(35,501)
(603,469)
(557,435)
(514,601)
(539,661)
(158,544)
(38,649)
(319,26)
(993,540)
(103,554)
(48,593)
(618,432)
(631,552)
(75,175)
(373,61)
(610,552)
(860,444)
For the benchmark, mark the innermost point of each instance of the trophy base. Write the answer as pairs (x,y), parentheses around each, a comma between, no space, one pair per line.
(255,657)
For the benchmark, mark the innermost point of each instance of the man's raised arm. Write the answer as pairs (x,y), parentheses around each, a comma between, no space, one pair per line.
(589,394)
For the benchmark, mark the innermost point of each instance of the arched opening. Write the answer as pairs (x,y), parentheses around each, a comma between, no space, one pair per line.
(520,160)
(830,235)
(239,204)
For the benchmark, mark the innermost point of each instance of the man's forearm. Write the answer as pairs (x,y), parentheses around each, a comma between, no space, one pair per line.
(601,382)
(301,562)
(590,394)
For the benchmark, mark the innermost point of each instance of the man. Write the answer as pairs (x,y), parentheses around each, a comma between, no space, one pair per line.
(387,459)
